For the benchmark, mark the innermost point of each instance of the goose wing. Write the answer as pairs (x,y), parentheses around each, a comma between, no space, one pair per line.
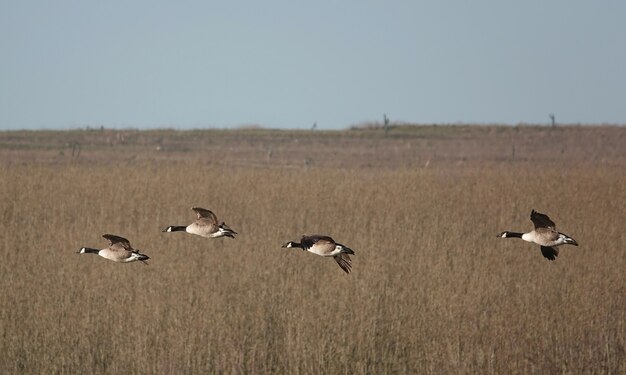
(549,252)
(541,220)
(344,261)
(203,213)
(117,242)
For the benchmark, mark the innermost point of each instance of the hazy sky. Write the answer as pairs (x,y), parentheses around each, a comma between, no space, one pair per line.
(288,64)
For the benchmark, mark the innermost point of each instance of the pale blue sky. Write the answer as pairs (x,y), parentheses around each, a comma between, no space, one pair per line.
(288,64)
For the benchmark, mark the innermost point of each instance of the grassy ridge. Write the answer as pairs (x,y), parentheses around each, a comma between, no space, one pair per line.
(401,147)
(432,290)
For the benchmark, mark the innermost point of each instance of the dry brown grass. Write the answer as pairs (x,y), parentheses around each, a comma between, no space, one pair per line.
(433,290)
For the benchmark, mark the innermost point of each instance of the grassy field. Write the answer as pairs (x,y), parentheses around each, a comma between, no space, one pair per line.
(433,289)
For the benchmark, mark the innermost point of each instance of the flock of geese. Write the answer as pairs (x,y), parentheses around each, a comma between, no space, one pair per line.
(207,225)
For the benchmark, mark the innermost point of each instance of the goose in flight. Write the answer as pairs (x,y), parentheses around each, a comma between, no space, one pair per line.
(544,235)
(206,225)
(326,247)
(119,250)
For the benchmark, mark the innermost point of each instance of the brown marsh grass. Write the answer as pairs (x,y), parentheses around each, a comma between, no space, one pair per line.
(433,290)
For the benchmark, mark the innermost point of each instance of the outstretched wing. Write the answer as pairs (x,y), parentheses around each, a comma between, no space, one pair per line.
(206,214)
(344,261)
(541,220)
(115,241)
(549,252)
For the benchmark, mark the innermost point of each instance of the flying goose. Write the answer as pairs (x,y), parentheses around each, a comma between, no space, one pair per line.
(544,235)
(206,226)
(326,247)
(119,250)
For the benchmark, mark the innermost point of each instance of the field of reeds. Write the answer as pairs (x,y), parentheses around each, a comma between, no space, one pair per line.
(433,289)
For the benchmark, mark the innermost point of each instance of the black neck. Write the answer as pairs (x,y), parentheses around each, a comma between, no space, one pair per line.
(514,234)
(296,244)
(177,228)
(90,250)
